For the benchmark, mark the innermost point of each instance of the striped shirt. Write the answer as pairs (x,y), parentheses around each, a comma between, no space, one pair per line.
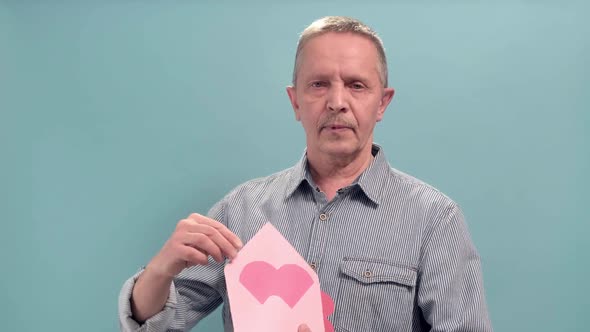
(393,253)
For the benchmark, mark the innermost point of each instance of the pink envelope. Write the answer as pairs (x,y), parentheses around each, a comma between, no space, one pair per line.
(272,288)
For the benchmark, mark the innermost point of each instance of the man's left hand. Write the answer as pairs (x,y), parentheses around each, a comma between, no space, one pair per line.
(303,328)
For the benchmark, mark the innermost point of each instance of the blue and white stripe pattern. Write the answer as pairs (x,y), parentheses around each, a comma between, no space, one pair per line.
(392,252)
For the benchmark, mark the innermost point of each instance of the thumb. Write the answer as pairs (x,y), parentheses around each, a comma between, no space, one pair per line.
(303,328)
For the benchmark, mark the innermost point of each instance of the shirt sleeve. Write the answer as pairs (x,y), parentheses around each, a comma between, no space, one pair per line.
(451,293)
(158,322)
(194,293)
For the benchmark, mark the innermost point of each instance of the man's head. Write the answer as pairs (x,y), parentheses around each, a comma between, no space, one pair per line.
(339,91)
(341,24)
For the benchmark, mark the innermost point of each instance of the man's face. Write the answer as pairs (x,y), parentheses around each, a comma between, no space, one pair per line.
(338,96)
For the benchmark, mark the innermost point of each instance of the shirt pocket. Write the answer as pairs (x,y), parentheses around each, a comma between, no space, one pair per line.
(374,295)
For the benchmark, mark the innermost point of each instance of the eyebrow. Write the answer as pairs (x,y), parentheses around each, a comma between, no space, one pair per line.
(356,78)
(347,78)
(318,77)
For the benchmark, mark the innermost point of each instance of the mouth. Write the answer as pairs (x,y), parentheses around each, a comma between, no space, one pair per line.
(336,127)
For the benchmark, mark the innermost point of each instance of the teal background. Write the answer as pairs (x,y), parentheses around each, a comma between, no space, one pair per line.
(138,113)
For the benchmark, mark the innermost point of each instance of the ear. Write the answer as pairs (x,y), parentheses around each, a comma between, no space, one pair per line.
(292,92)
(385,100)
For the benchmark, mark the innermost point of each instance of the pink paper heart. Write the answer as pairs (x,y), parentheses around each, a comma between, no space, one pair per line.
(327,309)
(290,282)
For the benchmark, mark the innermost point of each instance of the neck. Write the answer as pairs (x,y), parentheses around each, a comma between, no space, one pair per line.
(330,173)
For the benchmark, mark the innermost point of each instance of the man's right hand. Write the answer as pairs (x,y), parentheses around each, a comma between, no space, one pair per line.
(193,241)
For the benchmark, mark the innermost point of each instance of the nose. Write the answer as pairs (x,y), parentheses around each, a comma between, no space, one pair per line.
(336,101)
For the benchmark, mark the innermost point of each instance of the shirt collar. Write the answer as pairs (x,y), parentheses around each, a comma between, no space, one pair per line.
(370,182)
(299,175)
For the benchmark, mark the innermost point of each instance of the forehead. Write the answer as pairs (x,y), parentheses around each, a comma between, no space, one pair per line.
(342,52)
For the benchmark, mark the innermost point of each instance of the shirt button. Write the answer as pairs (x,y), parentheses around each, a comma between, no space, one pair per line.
(313,265)
(368,274)
(323,217)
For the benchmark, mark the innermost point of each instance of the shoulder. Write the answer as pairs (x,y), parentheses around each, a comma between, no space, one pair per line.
(251,195)
(419,194)
(273,184)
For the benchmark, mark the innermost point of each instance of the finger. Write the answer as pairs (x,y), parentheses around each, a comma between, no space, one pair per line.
(227,248)
(191,226)
(303,328)
(193,256)
(229,235)
(221,228)
(204,244)
(222,243)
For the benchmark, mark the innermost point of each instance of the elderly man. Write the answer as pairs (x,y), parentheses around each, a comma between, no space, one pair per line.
(342,207)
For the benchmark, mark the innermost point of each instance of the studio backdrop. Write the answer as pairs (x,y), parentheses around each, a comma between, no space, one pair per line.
(137,113)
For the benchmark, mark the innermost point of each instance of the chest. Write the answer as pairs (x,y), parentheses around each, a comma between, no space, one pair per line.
(366,256)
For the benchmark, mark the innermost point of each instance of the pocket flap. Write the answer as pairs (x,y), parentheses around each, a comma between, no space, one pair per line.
(369,271)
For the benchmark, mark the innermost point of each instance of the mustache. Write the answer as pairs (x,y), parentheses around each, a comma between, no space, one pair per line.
(336,120)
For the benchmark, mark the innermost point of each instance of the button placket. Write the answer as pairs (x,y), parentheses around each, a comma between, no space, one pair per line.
(316,249)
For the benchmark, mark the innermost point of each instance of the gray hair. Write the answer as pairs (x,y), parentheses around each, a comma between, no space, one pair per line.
(342,24)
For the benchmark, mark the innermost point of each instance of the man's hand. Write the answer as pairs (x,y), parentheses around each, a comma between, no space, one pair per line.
(303,328)
(194,240)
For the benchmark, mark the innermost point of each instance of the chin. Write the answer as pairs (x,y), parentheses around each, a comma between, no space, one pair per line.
(339,149)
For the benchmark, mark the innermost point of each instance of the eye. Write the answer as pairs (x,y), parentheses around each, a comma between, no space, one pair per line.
(318,84)
(357,86)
